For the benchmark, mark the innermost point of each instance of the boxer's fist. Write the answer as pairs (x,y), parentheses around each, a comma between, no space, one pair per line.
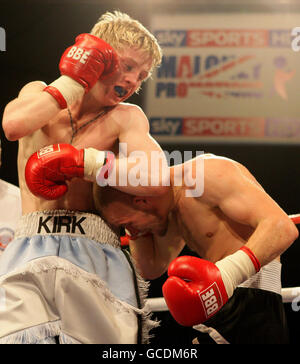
(48,169)
(194,291)
(87,60)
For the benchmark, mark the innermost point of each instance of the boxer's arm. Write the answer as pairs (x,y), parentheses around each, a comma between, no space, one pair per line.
(144,160)
(30,111)
(81,65)
(196,289)
(235,191)
(153,254)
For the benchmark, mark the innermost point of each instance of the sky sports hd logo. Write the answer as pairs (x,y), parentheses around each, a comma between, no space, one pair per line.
(296,39)
(241,38)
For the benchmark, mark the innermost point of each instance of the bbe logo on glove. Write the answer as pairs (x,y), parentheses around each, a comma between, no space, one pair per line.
(194,290)
(78,54)
(47,150)
(211,300)
(48,170)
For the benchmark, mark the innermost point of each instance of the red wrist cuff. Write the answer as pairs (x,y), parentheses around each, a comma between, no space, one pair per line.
(54,92)
(253,258)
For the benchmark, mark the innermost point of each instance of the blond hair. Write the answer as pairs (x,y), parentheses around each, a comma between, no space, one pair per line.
(120,31)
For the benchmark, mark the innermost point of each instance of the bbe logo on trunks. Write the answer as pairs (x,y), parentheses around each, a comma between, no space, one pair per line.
(211,300)
(60,224)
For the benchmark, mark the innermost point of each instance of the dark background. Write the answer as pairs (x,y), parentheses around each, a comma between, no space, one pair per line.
(37,33)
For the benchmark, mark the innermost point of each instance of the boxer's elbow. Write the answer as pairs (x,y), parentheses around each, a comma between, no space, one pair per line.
(12,122)
(292,232)
(11,129)
(151,274)
(150,271)
(287,230)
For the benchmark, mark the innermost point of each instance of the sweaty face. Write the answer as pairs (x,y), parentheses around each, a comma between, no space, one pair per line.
(134,68)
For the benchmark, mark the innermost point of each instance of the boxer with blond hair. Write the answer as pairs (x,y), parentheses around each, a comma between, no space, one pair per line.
(64,277)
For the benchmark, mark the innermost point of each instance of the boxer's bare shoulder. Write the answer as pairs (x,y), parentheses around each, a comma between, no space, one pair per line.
(31,87)
(127,115)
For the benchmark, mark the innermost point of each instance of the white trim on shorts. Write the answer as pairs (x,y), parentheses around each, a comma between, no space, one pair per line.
(63,222)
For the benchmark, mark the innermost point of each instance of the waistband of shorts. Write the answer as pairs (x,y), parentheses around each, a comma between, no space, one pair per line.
(64,222)
(268,278)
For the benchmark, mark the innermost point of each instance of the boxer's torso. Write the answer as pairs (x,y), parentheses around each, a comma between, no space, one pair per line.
(207,231)
(101,134)
(201,223)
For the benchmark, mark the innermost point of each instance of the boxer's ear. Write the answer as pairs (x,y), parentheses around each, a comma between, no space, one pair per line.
(142,203)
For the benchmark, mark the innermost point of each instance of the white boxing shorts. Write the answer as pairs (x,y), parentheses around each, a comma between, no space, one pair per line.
(64,278)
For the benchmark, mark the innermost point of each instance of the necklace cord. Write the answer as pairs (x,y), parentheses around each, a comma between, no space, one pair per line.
(75,131)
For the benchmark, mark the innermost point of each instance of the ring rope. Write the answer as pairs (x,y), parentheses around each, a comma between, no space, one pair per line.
(159,304)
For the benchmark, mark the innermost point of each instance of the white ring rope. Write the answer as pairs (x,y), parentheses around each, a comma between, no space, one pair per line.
(159,304)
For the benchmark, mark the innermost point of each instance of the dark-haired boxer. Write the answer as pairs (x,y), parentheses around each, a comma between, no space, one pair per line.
(233,293)
(65,276)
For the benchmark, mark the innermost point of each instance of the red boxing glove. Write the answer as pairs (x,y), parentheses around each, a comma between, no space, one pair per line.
(48,169)
(194,290)
(88,60)
(81,65)
(197,289)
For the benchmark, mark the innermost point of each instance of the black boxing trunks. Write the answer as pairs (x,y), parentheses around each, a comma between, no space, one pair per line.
(253,315)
